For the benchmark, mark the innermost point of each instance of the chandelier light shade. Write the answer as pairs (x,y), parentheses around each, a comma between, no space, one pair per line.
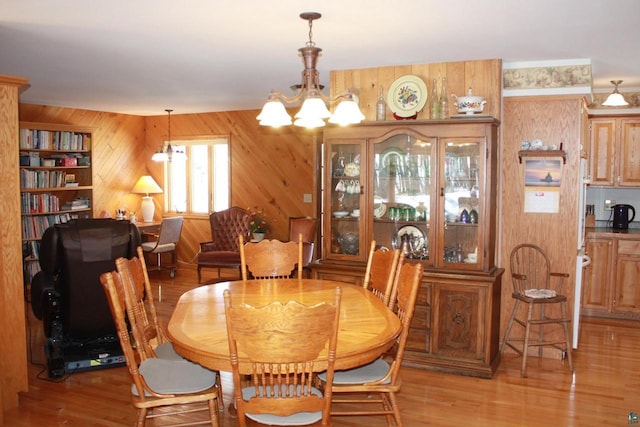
(615,99)
(147,185)
(313,111)
(168,153)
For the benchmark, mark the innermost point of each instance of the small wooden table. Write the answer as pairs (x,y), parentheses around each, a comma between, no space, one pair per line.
(199,333)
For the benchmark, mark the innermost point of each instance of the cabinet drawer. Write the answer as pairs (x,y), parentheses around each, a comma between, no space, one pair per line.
(629,247)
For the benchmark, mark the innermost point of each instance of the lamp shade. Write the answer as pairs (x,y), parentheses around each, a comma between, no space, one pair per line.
(146,185)
(615,100)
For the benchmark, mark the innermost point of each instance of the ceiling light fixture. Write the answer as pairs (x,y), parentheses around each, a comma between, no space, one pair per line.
(168,153)
(314,109)
(615,99)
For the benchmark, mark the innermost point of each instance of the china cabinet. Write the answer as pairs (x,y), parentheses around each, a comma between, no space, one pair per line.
(615,151)
(428,188)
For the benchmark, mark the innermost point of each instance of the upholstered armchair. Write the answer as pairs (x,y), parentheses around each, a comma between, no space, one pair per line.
(223,250)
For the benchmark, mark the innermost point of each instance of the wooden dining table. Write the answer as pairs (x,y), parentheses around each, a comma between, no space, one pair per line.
(197,327)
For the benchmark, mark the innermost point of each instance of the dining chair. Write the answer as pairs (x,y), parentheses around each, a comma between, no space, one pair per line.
(270,258)
(308,226)
(531,277)
(178,385)
(166,241)
(381,377)
(286,345)
(148,333)
(380,271)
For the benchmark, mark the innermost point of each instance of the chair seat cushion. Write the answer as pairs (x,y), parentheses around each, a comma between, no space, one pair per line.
(175,377)
(167,352)
(151,247)
(297,419)
(219,257)
(362,374)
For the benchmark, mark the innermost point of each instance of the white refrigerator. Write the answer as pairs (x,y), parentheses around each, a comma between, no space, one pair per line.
(582,258)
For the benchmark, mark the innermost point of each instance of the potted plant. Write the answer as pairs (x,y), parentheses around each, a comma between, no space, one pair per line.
(258,224)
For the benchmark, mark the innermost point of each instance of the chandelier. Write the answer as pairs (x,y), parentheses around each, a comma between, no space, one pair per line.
(615,99)
(168,153)
(314,110)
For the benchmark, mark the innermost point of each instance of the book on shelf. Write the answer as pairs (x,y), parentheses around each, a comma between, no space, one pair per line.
(71,184)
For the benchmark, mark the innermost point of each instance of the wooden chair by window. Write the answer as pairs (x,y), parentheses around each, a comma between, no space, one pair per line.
(223,250)
(358,387)
(531,276)
(166,241)
(270,258)
(381,271)
(180,385)
(282,362)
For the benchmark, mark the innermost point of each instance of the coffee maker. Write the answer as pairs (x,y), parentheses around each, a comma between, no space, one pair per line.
(621,218)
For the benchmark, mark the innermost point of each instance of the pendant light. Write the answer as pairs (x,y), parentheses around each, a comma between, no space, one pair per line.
(314,110)
(168,153)
(615,99)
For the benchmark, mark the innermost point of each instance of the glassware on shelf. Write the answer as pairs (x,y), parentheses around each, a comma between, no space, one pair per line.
(444,101)
(381,107)
(435,101)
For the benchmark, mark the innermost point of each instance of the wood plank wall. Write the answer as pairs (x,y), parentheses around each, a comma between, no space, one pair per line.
(12,319)
(484,77)
(270,168)
(554,120)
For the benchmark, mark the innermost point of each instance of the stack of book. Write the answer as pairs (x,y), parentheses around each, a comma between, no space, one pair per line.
(76,205)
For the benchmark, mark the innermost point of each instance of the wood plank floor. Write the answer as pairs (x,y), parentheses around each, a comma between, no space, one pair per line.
(602,391)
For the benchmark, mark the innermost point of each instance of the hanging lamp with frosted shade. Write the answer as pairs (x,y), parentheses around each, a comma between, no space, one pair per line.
(615,99)
(313,111)
(168,153)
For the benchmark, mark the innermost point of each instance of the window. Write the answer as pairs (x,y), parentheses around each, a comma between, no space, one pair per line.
(199,183)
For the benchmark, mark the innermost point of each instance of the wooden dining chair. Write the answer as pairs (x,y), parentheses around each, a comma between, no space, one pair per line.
(271,258)
(282,342)
(141,309)
(531,276)
(380,378)
(179,386)
(380,271)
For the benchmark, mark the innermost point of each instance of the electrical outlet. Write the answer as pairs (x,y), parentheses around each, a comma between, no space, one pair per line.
(306,198)
(608,204)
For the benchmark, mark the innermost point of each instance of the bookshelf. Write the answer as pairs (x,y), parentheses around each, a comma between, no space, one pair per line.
(56,181)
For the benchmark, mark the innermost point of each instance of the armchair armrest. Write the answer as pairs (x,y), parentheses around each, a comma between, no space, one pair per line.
(561,277)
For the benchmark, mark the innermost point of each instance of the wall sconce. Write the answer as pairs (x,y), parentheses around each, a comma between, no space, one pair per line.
(147,185)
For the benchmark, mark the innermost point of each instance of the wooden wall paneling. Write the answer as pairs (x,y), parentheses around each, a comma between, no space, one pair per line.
(553,120)
(118,147)
(13,356)
(484,76)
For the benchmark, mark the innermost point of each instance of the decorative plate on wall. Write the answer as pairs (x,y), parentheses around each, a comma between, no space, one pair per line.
(407,96)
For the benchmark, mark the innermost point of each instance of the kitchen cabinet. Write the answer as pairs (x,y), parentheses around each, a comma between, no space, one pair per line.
(626,297)
(610,286)
(614,151)
(597,276)
(428,188)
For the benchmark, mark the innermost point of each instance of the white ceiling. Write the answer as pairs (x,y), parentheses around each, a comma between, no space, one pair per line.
(142,56)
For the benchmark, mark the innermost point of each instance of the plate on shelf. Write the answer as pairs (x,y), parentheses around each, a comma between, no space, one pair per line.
(379,210)
(391,155)
(414,232)
(407,96)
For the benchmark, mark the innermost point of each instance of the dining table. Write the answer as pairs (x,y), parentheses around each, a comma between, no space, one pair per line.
(198,330)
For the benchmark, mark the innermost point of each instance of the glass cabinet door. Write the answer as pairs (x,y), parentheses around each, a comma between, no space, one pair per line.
(402,189)
(461,179)
(344,198)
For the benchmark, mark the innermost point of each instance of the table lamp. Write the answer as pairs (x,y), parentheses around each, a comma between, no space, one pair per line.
(146,185)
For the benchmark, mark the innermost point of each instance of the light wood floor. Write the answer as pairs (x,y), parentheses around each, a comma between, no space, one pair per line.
(603,390)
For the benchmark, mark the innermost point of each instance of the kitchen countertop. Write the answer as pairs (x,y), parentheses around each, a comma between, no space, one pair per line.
(631,233)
